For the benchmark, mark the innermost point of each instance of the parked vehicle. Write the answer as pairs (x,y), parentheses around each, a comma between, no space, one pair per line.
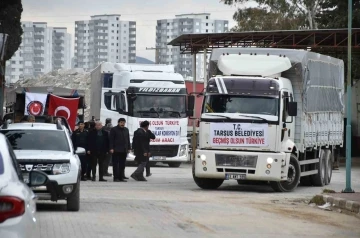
(17,201)
(270,115)
(48,147)
(139,92)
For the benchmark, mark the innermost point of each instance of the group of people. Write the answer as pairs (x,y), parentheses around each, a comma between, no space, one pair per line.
(108,143)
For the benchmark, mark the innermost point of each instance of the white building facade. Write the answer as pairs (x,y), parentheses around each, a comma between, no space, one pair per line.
(104,38)
(169,29)
(42,49)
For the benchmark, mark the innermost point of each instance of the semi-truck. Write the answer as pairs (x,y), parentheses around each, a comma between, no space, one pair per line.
(271,115)
(139,92)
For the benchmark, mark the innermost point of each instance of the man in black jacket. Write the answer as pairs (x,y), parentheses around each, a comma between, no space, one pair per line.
(80,139)
(141,147)
(98,147)
(119,147)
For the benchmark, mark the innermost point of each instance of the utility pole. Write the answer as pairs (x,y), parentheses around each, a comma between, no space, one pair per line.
(348,188)
(3,39)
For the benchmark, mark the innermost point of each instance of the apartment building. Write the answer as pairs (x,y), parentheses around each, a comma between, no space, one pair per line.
(169,29)
(104,38)
(42,49)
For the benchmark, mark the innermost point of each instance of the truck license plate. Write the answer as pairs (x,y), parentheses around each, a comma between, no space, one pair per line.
(235,176)
(158,158)
(26,177)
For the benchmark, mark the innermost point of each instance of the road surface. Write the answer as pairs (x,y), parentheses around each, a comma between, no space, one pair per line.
(171,205)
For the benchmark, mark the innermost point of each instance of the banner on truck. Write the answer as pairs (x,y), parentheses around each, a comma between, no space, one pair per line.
(238,134)
(166,132)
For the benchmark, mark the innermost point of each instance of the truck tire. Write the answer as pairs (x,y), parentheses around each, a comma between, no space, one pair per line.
(73,202)
(174,164)
(204,183)
(319,178)
(329,166)
(293,177)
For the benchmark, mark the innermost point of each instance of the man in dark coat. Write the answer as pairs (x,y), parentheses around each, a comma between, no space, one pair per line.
(107,128)
(80,139)
(141,147)
(151,136)
(119,147)
(98,147)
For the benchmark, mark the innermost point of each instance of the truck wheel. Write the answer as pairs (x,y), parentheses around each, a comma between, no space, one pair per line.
(73,202)
(174,164)
(305,181)
(319,178)
(328,162)
(205,183)
(293,177)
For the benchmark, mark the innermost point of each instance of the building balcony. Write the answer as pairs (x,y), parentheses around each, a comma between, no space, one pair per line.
(38,58)
(59,41)
(38,66)
(58,48)
(39,51)
(37,36)
(38,44)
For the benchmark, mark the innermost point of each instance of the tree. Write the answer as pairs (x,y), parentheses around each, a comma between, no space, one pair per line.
(10,19)
(299,11)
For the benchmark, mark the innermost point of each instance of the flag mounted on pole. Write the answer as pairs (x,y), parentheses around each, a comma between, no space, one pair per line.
(64,107)
(35,103)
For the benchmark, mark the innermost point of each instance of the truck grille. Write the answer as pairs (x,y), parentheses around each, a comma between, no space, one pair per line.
(236,160)
(46,168)
(164,150)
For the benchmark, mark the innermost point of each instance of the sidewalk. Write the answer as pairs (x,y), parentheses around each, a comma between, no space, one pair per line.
(346,201)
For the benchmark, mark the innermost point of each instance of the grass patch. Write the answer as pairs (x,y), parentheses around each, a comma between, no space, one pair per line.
(328,191)
(318,200)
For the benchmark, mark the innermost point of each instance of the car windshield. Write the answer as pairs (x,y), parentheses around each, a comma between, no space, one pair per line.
(241,104)
(159,106)
(37,140)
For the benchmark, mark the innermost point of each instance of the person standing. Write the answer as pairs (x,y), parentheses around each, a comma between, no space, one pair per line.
(151,136)
(119,147)
(80,139)
(98,147)
(107,128)
(141,147)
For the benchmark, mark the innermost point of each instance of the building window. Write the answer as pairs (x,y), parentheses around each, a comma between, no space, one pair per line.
(207,24)
(117,18)
(112,24)
(207,30)
(207,17)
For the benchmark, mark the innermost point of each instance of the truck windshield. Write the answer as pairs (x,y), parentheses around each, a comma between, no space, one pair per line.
(241,104)
(37,140)
(158,106)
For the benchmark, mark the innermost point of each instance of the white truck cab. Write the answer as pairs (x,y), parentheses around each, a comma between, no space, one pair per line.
(139,92)
(268,116)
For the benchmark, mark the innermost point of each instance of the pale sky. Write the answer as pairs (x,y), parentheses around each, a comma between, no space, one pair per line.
(64,13)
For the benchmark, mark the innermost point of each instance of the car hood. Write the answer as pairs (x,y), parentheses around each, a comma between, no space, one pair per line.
(42,155)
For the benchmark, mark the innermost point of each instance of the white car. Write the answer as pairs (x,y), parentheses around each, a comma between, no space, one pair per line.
(17,201)
(47,147)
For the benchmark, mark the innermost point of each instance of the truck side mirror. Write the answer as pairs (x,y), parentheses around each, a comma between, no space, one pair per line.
(190,106)
(292,109)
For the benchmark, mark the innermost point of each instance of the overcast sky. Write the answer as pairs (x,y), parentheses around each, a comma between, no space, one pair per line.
(64,13)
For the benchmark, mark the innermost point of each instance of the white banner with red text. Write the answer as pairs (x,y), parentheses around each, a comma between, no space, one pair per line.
(239,134)
(167,132)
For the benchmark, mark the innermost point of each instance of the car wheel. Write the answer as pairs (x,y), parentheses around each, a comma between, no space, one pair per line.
(73,202)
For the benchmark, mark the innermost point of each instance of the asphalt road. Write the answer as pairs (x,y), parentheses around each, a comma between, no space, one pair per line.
(171,205)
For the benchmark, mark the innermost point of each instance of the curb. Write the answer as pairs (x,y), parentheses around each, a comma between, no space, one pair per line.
(342,203)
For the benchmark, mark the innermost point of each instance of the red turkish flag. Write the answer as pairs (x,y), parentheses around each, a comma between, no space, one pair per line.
(64,107)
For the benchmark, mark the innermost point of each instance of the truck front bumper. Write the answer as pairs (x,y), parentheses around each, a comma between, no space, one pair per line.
(182,155)
(263,166)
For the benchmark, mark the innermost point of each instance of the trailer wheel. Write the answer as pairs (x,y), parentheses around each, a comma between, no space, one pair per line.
(328,163)
(293,177)
(319,178)
(205,183)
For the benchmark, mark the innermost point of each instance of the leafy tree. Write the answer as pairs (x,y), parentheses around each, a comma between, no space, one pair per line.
(10,19)
(301,12)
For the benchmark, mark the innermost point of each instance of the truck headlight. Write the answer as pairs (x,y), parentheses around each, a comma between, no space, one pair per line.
(203,157)
(270,160)
(61,168)
(182,151)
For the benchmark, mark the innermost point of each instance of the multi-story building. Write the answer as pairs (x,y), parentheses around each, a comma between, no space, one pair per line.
(169,29)
(104,38)
(42,49)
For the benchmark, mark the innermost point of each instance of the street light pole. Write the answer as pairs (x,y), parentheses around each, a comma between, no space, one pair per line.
(348,188)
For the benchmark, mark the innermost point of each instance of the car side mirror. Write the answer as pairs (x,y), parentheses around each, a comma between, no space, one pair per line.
(80,151)
(191,102)
(37,179)
(292,109)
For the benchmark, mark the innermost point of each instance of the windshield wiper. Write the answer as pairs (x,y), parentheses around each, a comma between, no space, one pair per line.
(173,112)
(220,116)
(149,111)
(263,119)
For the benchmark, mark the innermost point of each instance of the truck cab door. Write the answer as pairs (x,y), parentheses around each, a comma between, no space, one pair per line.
(115,101)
